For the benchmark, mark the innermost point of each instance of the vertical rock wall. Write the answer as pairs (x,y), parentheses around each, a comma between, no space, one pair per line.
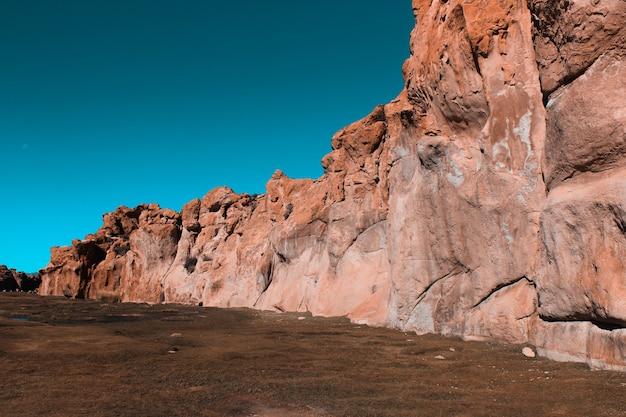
(466,188)
(581,279)
(486,201)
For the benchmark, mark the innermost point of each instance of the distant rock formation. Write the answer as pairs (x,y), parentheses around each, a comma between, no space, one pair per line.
(12,280)
(487,201)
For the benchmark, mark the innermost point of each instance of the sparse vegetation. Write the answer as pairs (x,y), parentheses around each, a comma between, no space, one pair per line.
(163,360)
(108,296)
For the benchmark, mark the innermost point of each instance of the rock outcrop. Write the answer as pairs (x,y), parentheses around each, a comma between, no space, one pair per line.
(488,200)
(12,280)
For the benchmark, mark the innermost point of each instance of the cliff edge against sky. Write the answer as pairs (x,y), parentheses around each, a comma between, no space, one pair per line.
(486,201)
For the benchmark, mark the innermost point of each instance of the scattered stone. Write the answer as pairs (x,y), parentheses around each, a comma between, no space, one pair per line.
(440,357)
(176,335)
(528,352)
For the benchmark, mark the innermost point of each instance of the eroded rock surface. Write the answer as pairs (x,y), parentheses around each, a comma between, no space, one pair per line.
(13,280)
(488,200)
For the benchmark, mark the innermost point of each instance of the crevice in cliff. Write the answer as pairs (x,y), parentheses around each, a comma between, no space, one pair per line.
(619,217)
(567,80)
(607,326)
(527,316)
(458,269)
(604,323)
(359,234)
(267,273)
(268,277)
(499,288)
(90,255)
(282,257)
(476,63)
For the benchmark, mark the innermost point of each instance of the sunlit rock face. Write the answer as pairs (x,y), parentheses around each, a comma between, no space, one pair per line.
(581,276)
(465,184)
(488,200)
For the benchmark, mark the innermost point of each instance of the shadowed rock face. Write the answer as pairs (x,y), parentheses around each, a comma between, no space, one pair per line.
(12,280)
(487,200)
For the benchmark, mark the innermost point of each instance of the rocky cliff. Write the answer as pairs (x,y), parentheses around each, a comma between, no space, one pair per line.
(487,201)
(13,280)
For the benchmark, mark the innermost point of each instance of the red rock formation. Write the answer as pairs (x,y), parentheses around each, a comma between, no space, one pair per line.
(12,280)
(581,278)
(486,201)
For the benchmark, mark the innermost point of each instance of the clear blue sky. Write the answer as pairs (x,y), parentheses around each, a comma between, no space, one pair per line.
(121,102)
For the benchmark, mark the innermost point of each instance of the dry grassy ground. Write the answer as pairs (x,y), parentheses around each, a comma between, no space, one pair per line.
(66,358)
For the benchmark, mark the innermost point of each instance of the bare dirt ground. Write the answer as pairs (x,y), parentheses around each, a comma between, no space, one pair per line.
(67,358)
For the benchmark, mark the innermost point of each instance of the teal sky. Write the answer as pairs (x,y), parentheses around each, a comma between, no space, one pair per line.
(121,102)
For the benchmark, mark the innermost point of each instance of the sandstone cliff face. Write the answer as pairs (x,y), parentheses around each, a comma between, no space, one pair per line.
(581,276)
(487,201)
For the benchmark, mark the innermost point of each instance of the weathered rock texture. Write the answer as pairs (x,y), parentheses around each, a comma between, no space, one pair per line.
(487,201)
(12,280)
